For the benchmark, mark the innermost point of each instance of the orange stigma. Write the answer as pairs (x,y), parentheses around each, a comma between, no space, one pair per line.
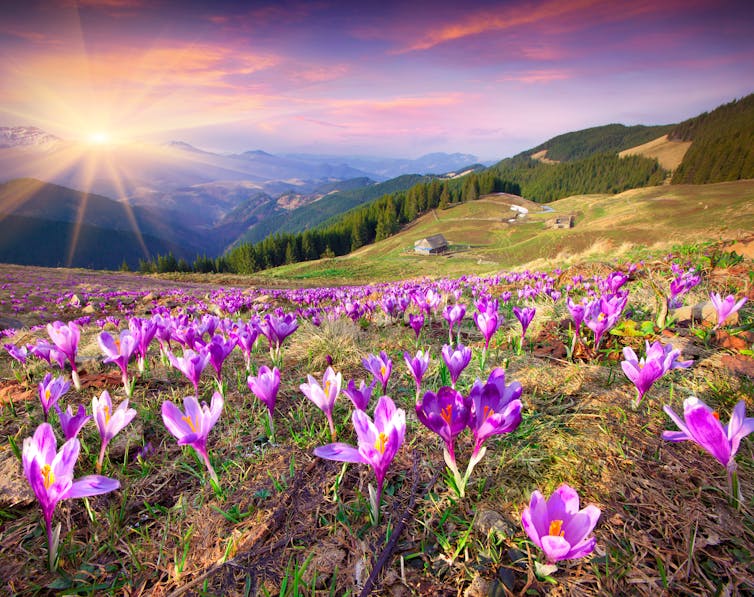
(381,443)
(487,412)
(556,528)
(716,415)
(447,413)
(48,476)
(190,422)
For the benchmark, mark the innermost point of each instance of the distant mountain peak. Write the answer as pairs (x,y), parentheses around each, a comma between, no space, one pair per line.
(27,136)
(183,146)
(257,152)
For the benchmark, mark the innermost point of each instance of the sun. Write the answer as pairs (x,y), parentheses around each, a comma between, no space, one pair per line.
(99,138)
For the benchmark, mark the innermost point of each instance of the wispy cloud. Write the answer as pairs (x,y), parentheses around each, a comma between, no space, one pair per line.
(538,76)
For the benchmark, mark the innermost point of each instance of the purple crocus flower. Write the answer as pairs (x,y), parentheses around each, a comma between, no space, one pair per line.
(456,360)
(192,427)
(702,426)
(488,323)
(71,424)
(644,372)
(524,316)
(577,311)
(50,474)
(143,331)
(324,396)
(47,352)
(50,391)
(603,314)
(495,409)
(66,339)
(447,414)
(191,364)
(359,396)
(417,367)
(276,329)
(246,335)
(109,422)
(219,349)
(558,527)
(265,386)
(681,284)
(378,443)
(380,367)
(119,351)
(725,307)
(19,353)
(453,314)
(416,322)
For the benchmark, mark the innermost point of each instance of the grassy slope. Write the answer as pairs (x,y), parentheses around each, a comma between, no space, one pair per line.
(662,215)
(668,152)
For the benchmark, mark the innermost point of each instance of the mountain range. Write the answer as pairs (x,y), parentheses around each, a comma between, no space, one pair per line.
(188,201)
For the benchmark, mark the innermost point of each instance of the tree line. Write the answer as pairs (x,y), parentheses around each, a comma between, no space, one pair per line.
(722,146)
(598,173)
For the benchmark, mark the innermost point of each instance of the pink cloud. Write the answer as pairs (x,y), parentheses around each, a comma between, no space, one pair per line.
(538,76)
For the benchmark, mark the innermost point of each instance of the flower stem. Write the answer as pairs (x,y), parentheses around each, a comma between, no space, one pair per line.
(101,458)
(734,487)
(210,469)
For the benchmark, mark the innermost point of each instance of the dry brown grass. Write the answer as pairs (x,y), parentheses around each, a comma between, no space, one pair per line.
(668,153)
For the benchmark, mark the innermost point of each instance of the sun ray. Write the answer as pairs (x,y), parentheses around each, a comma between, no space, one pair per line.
(123,200)
(89,170)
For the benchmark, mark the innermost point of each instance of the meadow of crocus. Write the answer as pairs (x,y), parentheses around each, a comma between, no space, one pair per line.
(220,434)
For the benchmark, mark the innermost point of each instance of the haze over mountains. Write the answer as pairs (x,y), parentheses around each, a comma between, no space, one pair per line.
(188,201)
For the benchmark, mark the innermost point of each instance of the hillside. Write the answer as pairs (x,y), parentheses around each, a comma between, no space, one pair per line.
(49,203)
(722,144)
(36,241)
(482,241)
(668,152)
(610,138)
(332,204)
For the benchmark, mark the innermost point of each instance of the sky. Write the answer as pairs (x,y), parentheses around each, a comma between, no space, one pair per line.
(388,78)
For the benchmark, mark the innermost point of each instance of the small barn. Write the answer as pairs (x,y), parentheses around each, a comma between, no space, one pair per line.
(431,245)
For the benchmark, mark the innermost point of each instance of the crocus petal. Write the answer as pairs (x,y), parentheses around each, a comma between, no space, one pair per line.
(577,528)
(383,412)
(678,421)
(91,485)
(340,452)
(534,518)
(582,549)
(563,503)
(675,436)
(556,548)
(708,433)
(739,426)
(173,419)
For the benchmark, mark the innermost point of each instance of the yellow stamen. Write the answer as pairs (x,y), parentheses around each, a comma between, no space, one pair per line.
(381,443)
(48,475)
(47,395)
(556,528)
(327,387)
(106,408)
(383,370)
(447,413)
(190,422)
(488,412)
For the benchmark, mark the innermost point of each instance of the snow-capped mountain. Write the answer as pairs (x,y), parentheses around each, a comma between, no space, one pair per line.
(26,136)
